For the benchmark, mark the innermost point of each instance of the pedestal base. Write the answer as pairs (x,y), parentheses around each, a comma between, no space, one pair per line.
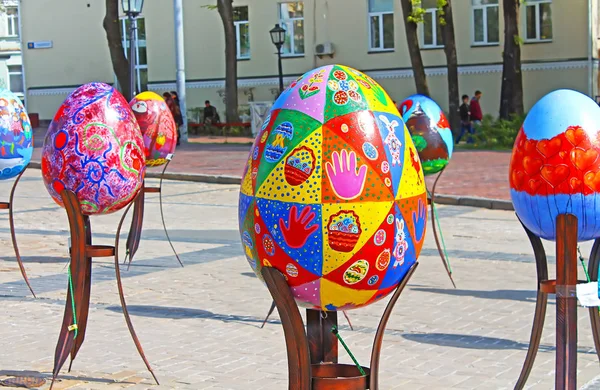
(72,332)
(313,355)
(566,302)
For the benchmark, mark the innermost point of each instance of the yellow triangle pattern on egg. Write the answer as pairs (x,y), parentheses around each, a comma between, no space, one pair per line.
(412,182)
(340,246)
(338,296)
(247,182)
(297,177)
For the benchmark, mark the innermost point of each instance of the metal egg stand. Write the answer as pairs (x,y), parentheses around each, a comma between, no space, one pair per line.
(313,354)
(564,287)
(137,221)
(9,206)
(82,251)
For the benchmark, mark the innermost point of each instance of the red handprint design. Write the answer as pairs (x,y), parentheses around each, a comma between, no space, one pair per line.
(296,233)
(346,181)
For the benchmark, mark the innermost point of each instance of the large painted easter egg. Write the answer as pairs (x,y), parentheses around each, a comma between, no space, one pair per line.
(555,165)
(157,126)
(430,131)
(94,147)
(16,142)
(333,194)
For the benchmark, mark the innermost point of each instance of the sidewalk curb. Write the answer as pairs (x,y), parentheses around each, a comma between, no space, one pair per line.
(453,200)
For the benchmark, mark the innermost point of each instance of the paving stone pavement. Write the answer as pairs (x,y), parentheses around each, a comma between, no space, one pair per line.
(199,325)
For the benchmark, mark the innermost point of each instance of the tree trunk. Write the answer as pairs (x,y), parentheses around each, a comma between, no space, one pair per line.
(225,8)
(414,50)
(452,64)
(112,26)
(511,95)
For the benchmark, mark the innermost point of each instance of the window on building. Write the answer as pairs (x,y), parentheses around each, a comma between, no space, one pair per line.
(538,20)
(12,22)
(381,24)
(291,16)
(141,68)
(242,31)
(15,79)
(486,30)
(431,32)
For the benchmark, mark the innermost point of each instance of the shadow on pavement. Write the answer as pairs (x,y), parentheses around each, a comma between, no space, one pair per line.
(179,313)
(512,295)
(479,342)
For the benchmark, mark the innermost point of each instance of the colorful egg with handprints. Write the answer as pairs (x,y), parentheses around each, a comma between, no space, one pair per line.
(94,147)
(430,132)
(157,126)
(333,194)
(555,165)
(16,136)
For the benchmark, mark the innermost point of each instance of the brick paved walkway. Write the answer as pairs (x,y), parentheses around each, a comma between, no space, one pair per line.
(470,173)
(199,325)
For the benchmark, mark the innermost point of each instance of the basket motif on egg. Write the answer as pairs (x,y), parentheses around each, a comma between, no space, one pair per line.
(339,240)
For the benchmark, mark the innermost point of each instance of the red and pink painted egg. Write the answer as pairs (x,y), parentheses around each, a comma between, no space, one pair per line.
(157,126)
(94,147)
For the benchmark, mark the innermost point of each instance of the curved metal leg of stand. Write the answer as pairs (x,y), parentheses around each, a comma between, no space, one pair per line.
(136,341)
(162,215)
(299,363)
(348,319)
(268,314)
(374,378)
(11,222)
(594,314)
(540,308)
(135,230)
(435,233)
(77,226)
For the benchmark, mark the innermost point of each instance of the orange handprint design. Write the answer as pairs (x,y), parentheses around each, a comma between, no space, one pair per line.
(296,232)
(346,182)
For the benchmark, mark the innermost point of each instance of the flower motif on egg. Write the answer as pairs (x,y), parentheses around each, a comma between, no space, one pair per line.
(343,88)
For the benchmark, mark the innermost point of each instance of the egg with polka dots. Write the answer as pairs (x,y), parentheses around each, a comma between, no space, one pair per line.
(333,193)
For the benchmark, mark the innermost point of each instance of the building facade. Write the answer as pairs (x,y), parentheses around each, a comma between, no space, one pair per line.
(369,35)
(11,71)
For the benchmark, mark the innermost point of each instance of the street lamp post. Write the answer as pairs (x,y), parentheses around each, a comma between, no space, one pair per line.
(132,8)
(278,38)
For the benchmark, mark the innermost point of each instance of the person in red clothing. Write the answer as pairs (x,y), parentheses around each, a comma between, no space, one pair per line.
(475,108)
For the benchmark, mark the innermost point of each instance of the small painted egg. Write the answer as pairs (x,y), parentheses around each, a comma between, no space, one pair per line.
(16,136)
(157,126)
(430,132)
(94,147)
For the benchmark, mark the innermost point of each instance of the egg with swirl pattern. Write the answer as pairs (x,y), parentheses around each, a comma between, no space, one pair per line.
(94,147)
(555,165)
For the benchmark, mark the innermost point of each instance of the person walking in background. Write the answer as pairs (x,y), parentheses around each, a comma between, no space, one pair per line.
(475,109)
(174,111)
(465,120)
(178,117)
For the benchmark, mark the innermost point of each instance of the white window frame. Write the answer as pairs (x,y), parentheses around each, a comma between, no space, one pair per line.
(435,21)
(380,31)
(538,21)
(20,72)
(138,43)
(483,9)
(12,21)
(238,47)
(284,23)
